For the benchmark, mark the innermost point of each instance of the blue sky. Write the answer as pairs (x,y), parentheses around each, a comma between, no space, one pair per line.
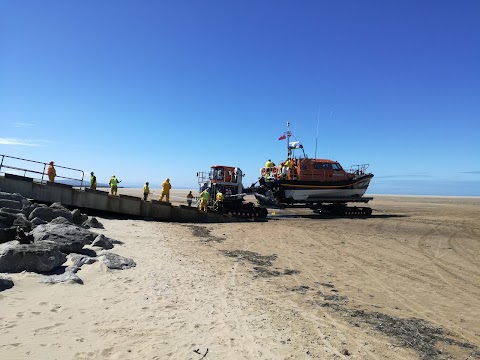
(152,89)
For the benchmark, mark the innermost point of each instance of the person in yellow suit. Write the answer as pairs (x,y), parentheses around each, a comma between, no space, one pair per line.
(146,191)
(51,172)
(93,181)
(166,186)
(114,185)
(219,202)
(204,197)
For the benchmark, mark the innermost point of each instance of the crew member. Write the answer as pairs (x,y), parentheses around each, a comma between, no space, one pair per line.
(219,202)
(51,172)
(166,186)
(204,197)
(93,181)
(113,185)
(189,198)
(268,166)
(146,191)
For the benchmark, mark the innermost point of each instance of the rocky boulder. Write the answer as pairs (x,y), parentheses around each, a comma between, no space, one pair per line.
(17,198)
(103,242)
(7,234)
(78,260)
(6,283)
(69,276)
(40,257)
(49,213)
(37,221)
(115,261)
(69,238)
(92,223)
(78,217)
(12,204)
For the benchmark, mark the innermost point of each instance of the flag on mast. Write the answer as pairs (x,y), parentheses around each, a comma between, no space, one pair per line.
(283,137)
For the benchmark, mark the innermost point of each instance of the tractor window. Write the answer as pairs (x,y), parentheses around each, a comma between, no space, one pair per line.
(218,174)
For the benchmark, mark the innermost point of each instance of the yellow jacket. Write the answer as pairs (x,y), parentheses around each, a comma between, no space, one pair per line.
(166,186)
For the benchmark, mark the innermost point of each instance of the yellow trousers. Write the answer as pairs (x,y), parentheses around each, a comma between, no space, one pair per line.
(167,196)
(203,205)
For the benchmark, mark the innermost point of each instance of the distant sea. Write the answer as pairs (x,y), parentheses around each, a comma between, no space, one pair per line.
(425,187)
(377,186)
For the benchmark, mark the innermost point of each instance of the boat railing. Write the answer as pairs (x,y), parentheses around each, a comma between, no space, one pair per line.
(360,169)
(37,170)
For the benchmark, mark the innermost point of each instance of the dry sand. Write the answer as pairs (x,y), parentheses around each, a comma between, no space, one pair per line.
(403,284)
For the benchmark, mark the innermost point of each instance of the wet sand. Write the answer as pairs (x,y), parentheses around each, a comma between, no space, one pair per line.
(402,284)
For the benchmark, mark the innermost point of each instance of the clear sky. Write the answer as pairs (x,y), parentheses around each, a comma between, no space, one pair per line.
(152,89)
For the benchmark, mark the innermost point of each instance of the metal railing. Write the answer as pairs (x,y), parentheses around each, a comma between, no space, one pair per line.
(14,165)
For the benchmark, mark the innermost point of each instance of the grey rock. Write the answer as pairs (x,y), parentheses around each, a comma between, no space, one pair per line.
(41,257)
(68,237)
(72,268)
(37,221)
(15,197)
(22,222)
(93,222)
(8,234)
(103,242)
(79,260)
(58,206)
(6,218)
(48,214)
(6,283)
(12,204)
(60,221)
(78,217)
(115,261)
(68,276)
(11,211)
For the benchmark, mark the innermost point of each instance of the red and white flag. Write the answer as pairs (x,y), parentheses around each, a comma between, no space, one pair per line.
(282,137)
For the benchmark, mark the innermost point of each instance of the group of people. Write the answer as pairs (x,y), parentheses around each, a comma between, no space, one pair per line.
(166,186)
(113,184)
(205,198)
(284,167)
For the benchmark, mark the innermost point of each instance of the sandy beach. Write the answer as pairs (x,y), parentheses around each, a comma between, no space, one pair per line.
(402,284)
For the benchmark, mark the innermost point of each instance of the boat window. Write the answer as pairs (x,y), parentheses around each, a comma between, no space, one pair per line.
(318,166)
(304,167)
(327,166)
(336,167)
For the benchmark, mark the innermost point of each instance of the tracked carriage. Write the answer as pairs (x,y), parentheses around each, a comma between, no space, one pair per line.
(228,181)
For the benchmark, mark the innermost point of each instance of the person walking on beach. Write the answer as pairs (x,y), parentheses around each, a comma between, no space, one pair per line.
(166,186)
(146,191)
(189,198)
(113,185)
(51,172)
(93,181)
(204,197)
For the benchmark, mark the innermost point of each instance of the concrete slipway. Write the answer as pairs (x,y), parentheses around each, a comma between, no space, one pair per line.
(124,205)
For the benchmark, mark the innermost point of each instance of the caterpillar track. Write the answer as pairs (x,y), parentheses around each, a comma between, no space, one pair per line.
(342,210)
(243,210)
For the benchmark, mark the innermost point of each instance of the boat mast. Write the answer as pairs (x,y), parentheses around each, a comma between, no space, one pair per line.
(289,151)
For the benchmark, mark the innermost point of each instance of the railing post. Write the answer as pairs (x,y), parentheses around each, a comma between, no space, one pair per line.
(43,173)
